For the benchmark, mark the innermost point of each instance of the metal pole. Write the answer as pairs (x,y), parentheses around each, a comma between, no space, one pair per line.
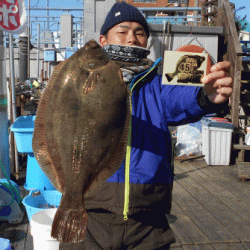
(209,9)
(14,152)
(57,9)
(82,29)
(196,4)
(12,77)
(23,60)
(13,95)
(163,38)
(185,12)
(38,51)
(28,64)
(48,15)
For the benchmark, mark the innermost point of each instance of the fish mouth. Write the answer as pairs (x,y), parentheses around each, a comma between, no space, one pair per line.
(92,44)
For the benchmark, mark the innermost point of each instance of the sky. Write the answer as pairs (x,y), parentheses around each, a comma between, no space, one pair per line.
(242,3)
(55,3)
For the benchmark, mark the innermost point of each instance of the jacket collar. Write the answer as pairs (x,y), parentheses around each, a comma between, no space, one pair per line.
(143,74)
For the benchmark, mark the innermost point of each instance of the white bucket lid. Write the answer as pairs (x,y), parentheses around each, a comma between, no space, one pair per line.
(248,129)
(41,222)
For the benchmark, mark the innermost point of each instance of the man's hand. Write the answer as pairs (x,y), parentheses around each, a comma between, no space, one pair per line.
(218,85)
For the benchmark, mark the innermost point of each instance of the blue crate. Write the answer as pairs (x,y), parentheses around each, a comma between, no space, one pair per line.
(23,129)
(49,55)
(70,51)
(34,204)
(35,177)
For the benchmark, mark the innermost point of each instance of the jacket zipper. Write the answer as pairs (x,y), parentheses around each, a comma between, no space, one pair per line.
(128,151)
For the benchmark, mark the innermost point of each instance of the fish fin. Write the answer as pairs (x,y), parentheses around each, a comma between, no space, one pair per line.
(48,160)
(169,77)
(69,224)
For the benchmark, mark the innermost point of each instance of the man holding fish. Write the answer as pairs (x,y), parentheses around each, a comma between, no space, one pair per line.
(128,211)
(101,136)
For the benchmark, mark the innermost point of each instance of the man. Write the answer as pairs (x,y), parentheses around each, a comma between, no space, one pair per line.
(128,211)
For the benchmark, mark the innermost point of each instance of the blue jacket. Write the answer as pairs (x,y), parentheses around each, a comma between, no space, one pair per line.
(154,108)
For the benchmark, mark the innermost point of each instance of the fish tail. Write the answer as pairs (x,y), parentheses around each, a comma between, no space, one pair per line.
(169,76)
(69,224)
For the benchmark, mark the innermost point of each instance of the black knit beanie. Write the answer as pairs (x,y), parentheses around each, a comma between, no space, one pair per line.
(123,12)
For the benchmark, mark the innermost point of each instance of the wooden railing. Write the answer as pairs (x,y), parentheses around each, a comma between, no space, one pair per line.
(222,14)
(225,18)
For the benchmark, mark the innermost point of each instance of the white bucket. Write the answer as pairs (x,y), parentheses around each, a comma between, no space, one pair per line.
(41,224)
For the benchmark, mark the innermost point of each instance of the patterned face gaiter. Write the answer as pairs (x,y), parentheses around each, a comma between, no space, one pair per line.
(132,60)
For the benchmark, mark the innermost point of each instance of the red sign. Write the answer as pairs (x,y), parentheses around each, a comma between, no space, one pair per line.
(12,16)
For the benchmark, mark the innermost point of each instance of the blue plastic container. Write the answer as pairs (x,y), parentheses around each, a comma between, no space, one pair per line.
(5,244)
(4,143)
(41,202)
(23,129)
(218,123)
(35,177)
(49,55)
(70,51)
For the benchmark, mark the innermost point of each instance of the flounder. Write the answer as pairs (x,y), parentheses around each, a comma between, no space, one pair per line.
(187,69)
(81,133)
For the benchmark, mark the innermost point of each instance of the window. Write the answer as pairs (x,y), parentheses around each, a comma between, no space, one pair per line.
(177,1)
(145,1)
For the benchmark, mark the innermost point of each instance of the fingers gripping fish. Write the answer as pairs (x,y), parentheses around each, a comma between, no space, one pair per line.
(81,132)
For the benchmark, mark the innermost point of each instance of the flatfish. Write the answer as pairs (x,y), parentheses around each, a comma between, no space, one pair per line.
(81,133)
(187,69)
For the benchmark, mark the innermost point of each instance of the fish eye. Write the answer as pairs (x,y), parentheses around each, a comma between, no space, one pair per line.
(91,64)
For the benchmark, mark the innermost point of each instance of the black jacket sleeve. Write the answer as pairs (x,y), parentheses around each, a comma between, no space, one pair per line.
(207,105)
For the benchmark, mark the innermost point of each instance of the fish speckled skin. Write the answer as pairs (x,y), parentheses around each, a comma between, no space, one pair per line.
(81,133)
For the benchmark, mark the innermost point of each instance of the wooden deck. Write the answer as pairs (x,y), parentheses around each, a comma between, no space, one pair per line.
(210,207)
(211,210)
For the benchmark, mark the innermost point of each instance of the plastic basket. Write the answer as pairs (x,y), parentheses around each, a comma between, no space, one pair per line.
(35,177)
(23,129)
(43,200)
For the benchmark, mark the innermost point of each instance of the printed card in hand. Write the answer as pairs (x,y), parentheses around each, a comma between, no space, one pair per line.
(184,68)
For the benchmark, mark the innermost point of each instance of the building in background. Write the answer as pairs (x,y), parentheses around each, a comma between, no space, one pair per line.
(161,3)
(95,12)
(166,3)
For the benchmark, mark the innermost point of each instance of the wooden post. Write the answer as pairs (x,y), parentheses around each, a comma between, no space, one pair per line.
(233,48)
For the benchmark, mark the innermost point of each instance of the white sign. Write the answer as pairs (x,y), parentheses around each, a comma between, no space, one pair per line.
(13,17)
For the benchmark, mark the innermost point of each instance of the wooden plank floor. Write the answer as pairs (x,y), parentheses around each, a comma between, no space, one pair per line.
(210,207)
(211,210)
